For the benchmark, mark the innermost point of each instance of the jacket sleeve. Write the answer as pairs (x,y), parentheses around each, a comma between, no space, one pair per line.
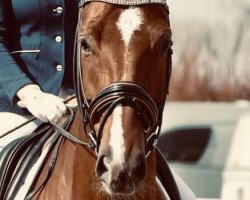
(12,78)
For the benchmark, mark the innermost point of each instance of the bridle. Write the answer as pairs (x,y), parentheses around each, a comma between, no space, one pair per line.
(122,92)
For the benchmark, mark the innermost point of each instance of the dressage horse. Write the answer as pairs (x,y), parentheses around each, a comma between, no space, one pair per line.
(122,75)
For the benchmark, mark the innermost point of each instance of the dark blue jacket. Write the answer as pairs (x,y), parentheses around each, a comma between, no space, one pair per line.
(36,45)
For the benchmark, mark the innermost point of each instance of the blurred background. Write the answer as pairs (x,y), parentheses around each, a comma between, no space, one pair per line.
(211,49)
(206,128)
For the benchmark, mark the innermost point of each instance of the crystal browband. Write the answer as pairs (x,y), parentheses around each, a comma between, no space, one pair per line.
(126,2)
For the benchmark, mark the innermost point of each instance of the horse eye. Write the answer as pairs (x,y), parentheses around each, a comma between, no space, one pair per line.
(86,46)
(166,46)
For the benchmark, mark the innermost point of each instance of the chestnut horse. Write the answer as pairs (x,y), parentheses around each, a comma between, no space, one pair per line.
(124,65)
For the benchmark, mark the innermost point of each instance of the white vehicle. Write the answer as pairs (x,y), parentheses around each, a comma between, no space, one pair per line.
(208,145)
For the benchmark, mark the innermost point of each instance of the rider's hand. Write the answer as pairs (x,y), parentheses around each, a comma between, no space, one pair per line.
(44,106)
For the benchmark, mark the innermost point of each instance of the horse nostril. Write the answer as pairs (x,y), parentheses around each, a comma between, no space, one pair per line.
(125,180)
(100,166)
(122,183)
(115,185)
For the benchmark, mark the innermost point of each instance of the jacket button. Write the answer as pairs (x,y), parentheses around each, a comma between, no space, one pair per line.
(58,39)
(59,68)
(58,10)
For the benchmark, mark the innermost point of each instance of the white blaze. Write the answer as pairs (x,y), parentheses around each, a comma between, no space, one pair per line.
(116,137)
(128,22)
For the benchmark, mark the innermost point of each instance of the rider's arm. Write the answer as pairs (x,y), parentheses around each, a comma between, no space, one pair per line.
(12,78)
(16,84)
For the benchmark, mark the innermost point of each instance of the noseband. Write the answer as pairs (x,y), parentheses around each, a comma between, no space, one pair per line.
(124,93)
(118,93)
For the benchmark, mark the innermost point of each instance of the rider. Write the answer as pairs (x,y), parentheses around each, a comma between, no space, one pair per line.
(36,51)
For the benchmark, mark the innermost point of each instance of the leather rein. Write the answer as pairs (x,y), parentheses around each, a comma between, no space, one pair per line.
(122,92)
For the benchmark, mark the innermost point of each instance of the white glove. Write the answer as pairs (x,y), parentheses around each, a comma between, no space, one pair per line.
(44,106)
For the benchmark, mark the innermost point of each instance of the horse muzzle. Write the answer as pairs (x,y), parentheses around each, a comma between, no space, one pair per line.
(120,183)
(124,179)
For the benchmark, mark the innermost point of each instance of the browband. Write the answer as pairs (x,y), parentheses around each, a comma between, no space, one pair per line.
(125,2)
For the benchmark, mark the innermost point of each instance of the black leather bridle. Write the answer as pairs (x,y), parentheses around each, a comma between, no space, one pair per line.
(123,93)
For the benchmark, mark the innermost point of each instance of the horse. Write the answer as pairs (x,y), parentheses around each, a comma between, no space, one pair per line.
(123,67)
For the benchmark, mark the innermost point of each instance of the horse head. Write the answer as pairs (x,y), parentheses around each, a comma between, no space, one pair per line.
(125,60)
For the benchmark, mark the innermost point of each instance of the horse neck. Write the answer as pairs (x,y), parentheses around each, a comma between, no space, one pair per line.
(81,168)
(74,170)
(74,175)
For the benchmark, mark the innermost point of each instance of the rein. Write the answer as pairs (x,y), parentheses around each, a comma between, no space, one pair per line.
(122,92)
